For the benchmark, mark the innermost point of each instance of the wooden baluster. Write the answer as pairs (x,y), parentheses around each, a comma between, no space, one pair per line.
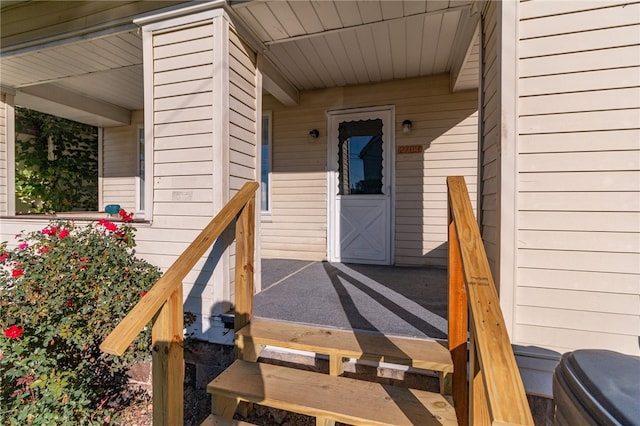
(168,362)
(458,326)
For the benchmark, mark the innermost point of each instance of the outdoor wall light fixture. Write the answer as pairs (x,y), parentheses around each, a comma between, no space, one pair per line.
(406,126)
(313,134)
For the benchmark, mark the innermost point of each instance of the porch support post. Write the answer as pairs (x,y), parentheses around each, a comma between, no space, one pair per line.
(244,265)
(168,363)
(458,325)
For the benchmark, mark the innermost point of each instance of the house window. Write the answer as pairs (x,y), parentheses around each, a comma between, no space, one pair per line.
(265,165)
(56,164)
(140,181)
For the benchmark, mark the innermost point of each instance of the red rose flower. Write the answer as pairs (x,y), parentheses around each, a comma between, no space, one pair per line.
(109,226)
(3,257)
(63,234)
(13,332)
(125,217)
(50,231)
(23,246)
(70,302)
(16,273)
(143,294)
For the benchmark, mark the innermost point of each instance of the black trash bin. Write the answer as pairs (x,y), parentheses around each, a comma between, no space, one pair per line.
(597,387)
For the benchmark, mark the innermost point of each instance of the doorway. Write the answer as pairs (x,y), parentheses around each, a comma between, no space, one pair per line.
(360,181)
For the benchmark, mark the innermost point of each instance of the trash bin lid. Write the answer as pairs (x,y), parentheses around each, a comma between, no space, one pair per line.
(606,383)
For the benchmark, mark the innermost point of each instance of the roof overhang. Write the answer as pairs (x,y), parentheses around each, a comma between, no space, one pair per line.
(86,64)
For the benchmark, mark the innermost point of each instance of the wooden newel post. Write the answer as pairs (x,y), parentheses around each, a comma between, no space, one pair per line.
(458,326)
(168,362)
(245,244)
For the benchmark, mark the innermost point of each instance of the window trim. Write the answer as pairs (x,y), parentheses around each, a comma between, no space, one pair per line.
(265,215)
(141,194)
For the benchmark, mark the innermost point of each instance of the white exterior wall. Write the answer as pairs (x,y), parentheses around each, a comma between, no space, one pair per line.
(444,124)
(490,133)
(578,180)
(204,148)
(561,206)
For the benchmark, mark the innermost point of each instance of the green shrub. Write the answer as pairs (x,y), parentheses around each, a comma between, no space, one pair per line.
(62,290)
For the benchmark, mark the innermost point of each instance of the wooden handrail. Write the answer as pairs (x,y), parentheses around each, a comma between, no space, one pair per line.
(127,330)
(495,393)
(163,305)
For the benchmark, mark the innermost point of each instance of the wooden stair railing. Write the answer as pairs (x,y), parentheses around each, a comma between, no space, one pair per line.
(163,305)
(494,393)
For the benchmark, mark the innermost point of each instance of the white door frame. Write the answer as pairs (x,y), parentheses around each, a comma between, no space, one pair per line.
(389,114)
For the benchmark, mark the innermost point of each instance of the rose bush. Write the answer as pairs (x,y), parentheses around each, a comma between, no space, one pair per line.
(62,290)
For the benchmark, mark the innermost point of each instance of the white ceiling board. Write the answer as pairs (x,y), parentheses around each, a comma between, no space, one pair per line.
(369,51)
(253,23)
(414,7)
(317,63)
(433,5)
(328,14)
(328,55)
(352,47)
(307,16)
(432,24)
(279,55)
(349,13)
(383,48)
(269,22)
(341,55)
(414,41)
(445,41)
(392,9)
(399,48)
(370,11)
(287,17)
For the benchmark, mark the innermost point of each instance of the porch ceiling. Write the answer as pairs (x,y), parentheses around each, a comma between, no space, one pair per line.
(322,44)
(96,77)
(99,79)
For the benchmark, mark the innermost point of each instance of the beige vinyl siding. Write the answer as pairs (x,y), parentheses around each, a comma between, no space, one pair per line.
(3,155)
(579,176)
(183,157)
(204,149)
(243,120)
(444,124)
(242,113)
(490,156)
(119,166)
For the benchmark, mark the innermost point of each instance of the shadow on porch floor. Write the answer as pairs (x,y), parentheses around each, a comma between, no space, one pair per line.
(402,301)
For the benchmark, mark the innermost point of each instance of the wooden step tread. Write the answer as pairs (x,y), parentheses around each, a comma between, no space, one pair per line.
(213,420)
(342,399)
(419,353)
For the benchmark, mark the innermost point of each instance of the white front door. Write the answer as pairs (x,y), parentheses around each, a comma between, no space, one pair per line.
(360,176)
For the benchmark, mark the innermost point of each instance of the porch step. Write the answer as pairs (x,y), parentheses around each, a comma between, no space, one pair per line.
(213,420)
(338,344)
(327,397)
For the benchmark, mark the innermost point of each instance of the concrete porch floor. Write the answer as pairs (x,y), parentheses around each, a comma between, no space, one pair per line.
(401,301)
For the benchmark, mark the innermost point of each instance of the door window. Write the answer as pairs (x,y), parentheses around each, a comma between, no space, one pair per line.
(360,157)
